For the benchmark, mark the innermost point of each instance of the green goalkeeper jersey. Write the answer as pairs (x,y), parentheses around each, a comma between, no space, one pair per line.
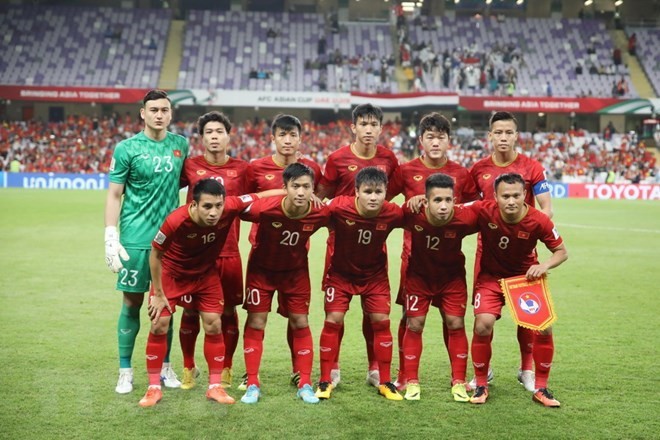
(149,171)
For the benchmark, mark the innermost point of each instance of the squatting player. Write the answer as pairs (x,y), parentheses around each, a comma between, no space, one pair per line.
(278,262)
(266,173)
(214,128)
(436,276)
(510,230)
(339,180)
(143,190)
(409,179)
(502,135)
(358,266)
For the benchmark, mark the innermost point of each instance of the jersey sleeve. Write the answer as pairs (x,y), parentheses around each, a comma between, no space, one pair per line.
(120,165)
(183,179)
(252,213)
(539,183)
(164,236)
(549,236)
(250,180)
(329,177)
(469,192)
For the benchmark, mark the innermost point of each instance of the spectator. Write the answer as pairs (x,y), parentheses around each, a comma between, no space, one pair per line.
(632,44)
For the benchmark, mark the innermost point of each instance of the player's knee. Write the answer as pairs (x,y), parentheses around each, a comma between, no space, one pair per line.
(454,322)
(416,325)
(161,327)
(255,321)
(133,300)
(483,327)
(190,312)
(298,321)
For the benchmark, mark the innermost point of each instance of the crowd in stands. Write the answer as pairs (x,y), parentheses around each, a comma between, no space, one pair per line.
(85,145)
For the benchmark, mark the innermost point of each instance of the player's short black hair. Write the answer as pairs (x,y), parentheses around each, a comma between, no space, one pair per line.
(509,178)
(438,180)
(370,176)
(208,186)
(502,116)
(286,123)
(296,170)
(366,110)
(215,116)
(155,94)
(434,122)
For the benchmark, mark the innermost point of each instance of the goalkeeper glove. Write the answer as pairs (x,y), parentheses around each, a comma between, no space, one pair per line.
(114,251)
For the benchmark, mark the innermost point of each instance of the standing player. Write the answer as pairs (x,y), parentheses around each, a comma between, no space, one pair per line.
(143,190)
(266,173)
(358,266)
(183,262)
(409,179)
(278,262)
(510,229)
(215,163)
(436,276)
(503,135)
(339,180)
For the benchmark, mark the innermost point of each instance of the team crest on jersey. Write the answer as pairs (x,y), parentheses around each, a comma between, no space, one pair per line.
(418,228)
(524,235)
(350,222)
(177,153)
(381,226)
(201,172)
(308,227)
(231,173)
(277,224)
(269,176)
(450,234)
(492,225)
(486,176)
(160,238)
(352,167)
(417,178)
(191,236)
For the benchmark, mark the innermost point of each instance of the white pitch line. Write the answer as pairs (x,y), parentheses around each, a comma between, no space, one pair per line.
(609,228)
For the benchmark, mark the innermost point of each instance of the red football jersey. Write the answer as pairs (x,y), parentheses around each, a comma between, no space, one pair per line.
(410,179)
(190,249)
(359,250)
(436,250)
(232,175)
(264,174)
(509,249)
(486,171)
(343,165)
(281,241)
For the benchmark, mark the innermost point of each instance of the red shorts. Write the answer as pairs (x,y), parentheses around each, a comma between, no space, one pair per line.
(448,294)
(203,294)
(339,291)
(230,270)
(293,291)
(488,296)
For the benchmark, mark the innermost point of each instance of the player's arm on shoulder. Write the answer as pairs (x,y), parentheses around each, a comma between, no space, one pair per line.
(325,191)
(158,301)
(559,255)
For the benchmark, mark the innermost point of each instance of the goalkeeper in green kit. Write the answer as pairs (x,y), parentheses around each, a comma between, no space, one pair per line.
(143,190)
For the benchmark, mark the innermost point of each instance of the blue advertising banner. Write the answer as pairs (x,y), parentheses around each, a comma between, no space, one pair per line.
(54,181)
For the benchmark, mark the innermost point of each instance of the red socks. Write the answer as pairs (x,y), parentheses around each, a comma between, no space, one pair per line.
(544,349)
(188,332)
(230,334)
(412,352)
(214,352)
(253,346)
(481,353)
(401,377)
(156,350)
(458,353)
(328,348)
(382,346)
(367,331)
(303,354)
(526,341)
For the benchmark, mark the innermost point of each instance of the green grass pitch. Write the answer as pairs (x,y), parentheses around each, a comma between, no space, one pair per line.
(59,363)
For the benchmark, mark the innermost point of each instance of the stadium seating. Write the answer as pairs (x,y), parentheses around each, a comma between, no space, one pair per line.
(75,46)
(221,48)
(550,48)
(648,53)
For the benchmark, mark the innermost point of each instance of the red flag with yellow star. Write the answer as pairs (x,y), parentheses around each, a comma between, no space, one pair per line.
(530,302)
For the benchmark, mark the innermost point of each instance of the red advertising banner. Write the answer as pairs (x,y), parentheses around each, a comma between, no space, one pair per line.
(535,104)
(72,94)
(614,191)
(529,301)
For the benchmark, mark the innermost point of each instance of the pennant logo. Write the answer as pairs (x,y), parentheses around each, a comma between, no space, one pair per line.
(352,167)
(277,224)
(231,173)
(492,225)
(201,172)
(450,234)
(308,227)
(177,153)
(524,235)
(418,228)
(486,176)
(529,303)
(381,227)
